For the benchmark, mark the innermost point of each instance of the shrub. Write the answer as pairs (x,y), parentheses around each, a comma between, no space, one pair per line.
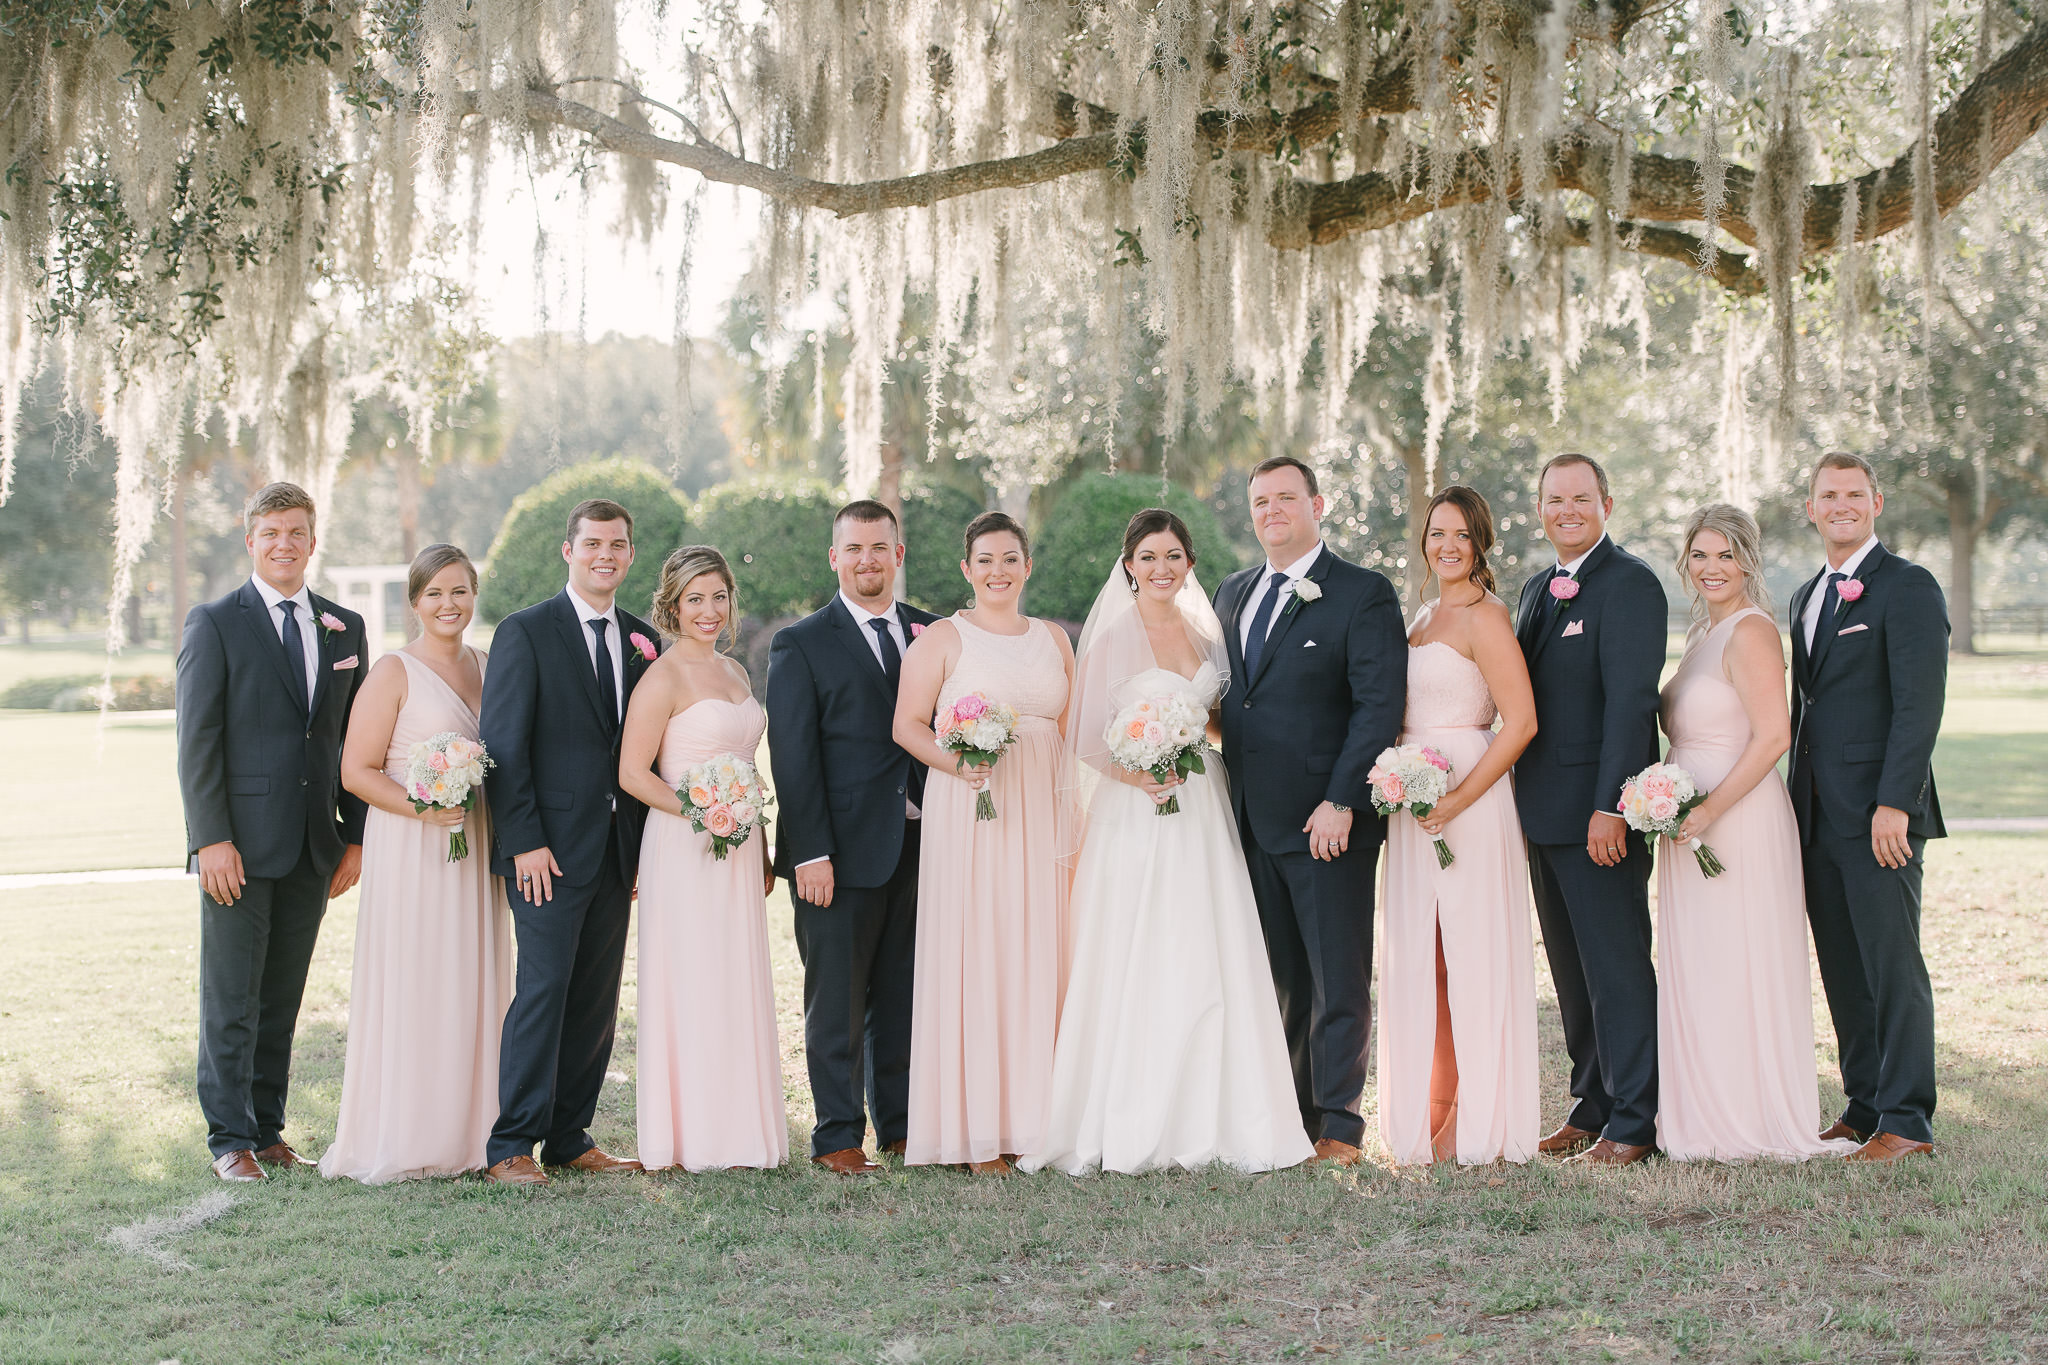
(1084,533)
(526,558)
(933,517)
(775,533)
(81,692)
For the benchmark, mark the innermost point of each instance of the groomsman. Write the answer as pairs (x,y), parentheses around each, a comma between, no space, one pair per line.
(266,677)
(847,837)
(1318,683)
(1870,672)
(1592,629)
(567,842)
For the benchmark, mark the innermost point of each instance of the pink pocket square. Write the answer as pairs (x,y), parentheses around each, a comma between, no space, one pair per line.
(1851,630)
(1575,628)
(349,662)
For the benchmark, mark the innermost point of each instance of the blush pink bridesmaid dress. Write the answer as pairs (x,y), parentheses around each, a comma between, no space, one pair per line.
(1457,1083)
(433,975)
(991,919)
(1736,1071)
(710,1064)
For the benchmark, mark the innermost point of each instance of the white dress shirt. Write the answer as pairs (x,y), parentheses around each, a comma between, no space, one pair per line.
(616,647)
(1571,570)
(861,616)
(309,627)
(1810,620)
(1295,572)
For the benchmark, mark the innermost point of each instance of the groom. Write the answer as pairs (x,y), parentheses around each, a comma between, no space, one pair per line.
(567,842)
(266,677)
(1318,683)
(847,839)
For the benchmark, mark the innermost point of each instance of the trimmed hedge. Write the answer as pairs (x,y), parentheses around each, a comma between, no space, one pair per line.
(775,533)
(1072,555)
(933,518)
(526,558)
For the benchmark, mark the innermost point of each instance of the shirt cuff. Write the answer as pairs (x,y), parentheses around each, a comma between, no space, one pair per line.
(809,861)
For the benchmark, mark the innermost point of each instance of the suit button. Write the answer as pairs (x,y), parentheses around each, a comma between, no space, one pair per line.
(302,782)
(899,791)
(309,734)
(1247,705)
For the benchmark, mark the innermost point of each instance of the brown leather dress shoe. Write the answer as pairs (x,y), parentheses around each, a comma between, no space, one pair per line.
(1000,1166)
(1566,1140)
(1610,1153)
(895,1148)
(597,1161)
(1337,1153)
(1889,1147)
(237,1166)
(846,1161)
(281,1154)
(1841,1130)
(517,1170)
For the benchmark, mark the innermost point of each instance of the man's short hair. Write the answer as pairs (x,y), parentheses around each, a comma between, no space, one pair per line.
(1841,459)
(1286,462)
(598,509)
(276,497)
(1569,458)
(867,510)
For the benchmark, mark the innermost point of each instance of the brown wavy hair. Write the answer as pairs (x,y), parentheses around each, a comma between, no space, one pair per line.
(1472,506)
(994,523)
(677,572)
(1151,522)
(428,563)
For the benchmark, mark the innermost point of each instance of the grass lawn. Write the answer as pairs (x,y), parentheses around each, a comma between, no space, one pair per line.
(1941,1260)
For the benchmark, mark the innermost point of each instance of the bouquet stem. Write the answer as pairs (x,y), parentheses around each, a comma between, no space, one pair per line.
(984,805)
(718,849)
(1710,866)
(1170,806)
(1443,853)
(458,845)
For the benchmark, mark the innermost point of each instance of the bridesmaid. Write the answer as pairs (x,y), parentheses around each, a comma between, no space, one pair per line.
(1734,999)
(991,895)
(1457,1037)
(433,968)
(710,1063)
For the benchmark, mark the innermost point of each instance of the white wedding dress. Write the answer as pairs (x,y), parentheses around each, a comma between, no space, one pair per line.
(1170,1050)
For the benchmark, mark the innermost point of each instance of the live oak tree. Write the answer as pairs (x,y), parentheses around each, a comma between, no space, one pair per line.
(204,199)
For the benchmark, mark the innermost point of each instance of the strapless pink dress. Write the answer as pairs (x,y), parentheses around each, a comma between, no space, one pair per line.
(710,1071)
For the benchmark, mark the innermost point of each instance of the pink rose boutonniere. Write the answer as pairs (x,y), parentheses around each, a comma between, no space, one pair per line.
(916,629)
(1564,587)
(1849,589)
(644,645)
(330,624)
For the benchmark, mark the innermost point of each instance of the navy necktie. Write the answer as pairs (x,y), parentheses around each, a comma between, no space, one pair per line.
(1262,620)
(295,651)
(607,685)
(1830,608)
(892,658)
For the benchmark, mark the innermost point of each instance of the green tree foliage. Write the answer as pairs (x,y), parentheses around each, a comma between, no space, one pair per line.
(934,515)
(526,558)
(54,529)
(1085,531)
(775,533)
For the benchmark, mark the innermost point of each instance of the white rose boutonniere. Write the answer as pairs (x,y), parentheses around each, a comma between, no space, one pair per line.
(1302,590)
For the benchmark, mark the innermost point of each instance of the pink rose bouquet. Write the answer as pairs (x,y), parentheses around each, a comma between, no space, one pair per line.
(446,772)
(1412,777)
(1162,736)
(976,730)
(723,797)
(1657,800)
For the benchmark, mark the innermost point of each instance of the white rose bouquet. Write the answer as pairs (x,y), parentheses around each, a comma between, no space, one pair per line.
(1163,736)
(1412,777)
(723,797)
(977,730)
(1657,800)
(446,772)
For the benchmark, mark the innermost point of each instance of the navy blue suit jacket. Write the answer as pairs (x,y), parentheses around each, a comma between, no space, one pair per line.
(1328,696)
(1594,662)
(840,779)
(1866,711)
(253,767)
(556,751)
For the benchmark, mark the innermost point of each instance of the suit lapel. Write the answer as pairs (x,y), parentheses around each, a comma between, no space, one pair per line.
(323,653)
(1534,599)
(572,630)
(852,638)
(1552,626)
(1233,638)
(1802,667)
(1286,614)
(256,615)
(1867,570)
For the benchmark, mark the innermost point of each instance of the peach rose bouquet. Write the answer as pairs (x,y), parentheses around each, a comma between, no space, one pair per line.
(1162,736)
(723,797)
(446,772)
(1412,777)
(1657,800)
(976,730)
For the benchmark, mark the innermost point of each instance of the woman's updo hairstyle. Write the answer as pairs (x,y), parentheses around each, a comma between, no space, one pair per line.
(678,571)
(1151,522)
(427,565)
(994,523)
(1472,506)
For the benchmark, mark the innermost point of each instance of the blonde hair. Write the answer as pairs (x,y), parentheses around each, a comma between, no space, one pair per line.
(1739,529)
(277,497)
(677,571)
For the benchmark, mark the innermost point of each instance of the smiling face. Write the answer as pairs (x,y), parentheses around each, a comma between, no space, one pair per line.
(1711,564)
(1285,516)
(1574,513)
(704,607)
(447,603)
(280,545)
(997,566)
(598,557)
(1159,565)
(866,556)
(1843,506)
(1447,545)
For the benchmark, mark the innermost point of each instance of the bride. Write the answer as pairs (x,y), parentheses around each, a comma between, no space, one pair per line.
(1170,1049)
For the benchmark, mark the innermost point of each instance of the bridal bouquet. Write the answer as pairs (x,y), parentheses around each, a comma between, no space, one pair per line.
(1412,777)
(722,797)
(1657,800)
(977,730)
(446,772)
(1162,736)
